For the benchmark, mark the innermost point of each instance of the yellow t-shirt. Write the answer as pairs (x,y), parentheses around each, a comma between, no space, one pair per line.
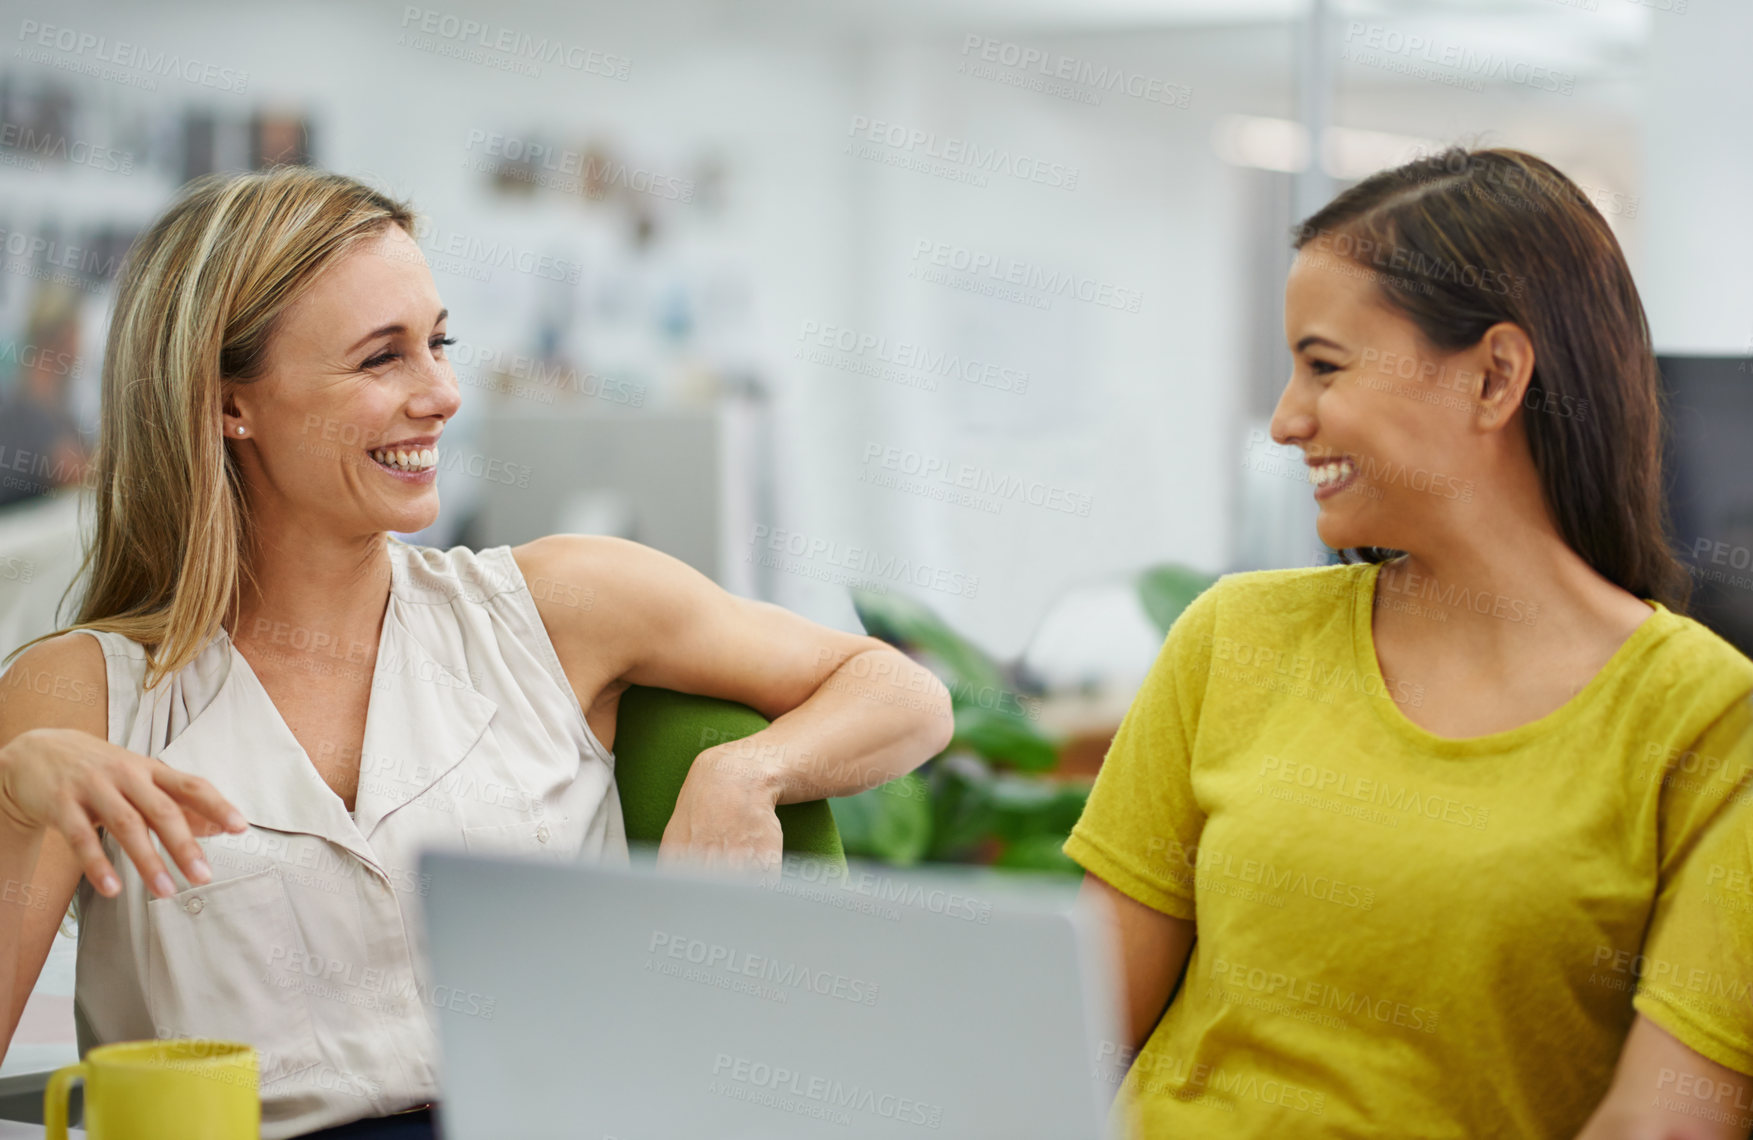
(1402,934)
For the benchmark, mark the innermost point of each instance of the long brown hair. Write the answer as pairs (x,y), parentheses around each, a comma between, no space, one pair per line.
(1461,240)
(200,296)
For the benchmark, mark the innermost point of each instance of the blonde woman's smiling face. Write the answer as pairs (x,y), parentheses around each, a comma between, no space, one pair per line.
(341,432)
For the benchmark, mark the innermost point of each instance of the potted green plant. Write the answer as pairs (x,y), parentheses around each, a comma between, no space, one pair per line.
(993,795)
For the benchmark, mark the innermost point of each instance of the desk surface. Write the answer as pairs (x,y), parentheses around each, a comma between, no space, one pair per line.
(12,1130)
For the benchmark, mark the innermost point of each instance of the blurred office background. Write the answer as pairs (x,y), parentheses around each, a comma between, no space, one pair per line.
(957,318)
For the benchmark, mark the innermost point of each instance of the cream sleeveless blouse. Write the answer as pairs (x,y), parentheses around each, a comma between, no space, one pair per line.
(306,942)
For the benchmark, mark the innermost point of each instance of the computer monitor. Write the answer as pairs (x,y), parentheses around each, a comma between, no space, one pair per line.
(1710,486)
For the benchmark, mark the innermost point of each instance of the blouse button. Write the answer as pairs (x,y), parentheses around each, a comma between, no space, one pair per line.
(194,905)
(541,833)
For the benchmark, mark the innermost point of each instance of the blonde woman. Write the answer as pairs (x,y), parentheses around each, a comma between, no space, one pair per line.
(1445,842)
(269,704)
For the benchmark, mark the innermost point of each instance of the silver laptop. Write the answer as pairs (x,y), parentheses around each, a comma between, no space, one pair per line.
(638,1004)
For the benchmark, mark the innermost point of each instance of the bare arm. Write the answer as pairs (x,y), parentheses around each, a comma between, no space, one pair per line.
(41,862)
(1152,948)
(61,780)
(1664,1090)
(848,712)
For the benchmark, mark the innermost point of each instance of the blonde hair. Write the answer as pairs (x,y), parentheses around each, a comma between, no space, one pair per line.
(201,294)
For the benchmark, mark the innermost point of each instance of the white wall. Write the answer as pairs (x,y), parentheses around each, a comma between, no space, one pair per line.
(1696,272)
(1128,409)
(1139,412)
(1125,411)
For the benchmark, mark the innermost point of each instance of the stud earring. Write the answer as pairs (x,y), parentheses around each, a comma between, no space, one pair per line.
(240,431)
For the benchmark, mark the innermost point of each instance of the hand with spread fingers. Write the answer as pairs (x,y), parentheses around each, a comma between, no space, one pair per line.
(75,783)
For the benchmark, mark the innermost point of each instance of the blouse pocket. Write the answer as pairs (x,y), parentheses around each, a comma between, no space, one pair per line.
(542,838)
(218,967)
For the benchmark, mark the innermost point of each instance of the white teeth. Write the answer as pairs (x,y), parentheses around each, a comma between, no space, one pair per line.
(403,459)
(1336,471)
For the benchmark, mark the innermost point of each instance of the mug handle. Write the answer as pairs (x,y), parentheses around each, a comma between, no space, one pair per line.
(55,1100)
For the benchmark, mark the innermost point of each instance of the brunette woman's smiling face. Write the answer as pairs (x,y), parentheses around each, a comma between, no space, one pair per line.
(1385,423)
(356,375)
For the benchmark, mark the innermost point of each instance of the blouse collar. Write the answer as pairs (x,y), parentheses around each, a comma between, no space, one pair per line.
(423,719)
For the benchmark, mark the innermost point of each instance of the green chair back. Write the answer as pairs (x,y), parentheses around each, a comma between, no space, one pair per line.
(659,732)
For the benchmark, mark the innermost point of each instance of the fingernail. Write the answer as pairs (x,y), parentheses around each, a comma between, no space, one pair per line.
(236,821)
(199,871)
(108,885)
(161,883)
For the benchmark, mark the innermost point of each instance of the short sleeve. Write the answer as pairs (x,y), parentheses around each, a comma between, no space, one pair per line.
(1696,979)
(1140,830)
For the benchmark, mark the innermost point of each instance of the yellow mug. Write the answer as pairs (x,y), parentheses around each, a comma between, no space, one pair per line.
(183,1089)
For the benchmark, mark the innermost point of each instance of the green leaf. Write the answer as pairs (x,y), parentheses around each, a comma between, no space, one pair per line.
(1025,807)
(912,626)
(961,811)
(891,822)
(1167,589)
(1004,739)
(1038,853)
(1047,804)
(973,806)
